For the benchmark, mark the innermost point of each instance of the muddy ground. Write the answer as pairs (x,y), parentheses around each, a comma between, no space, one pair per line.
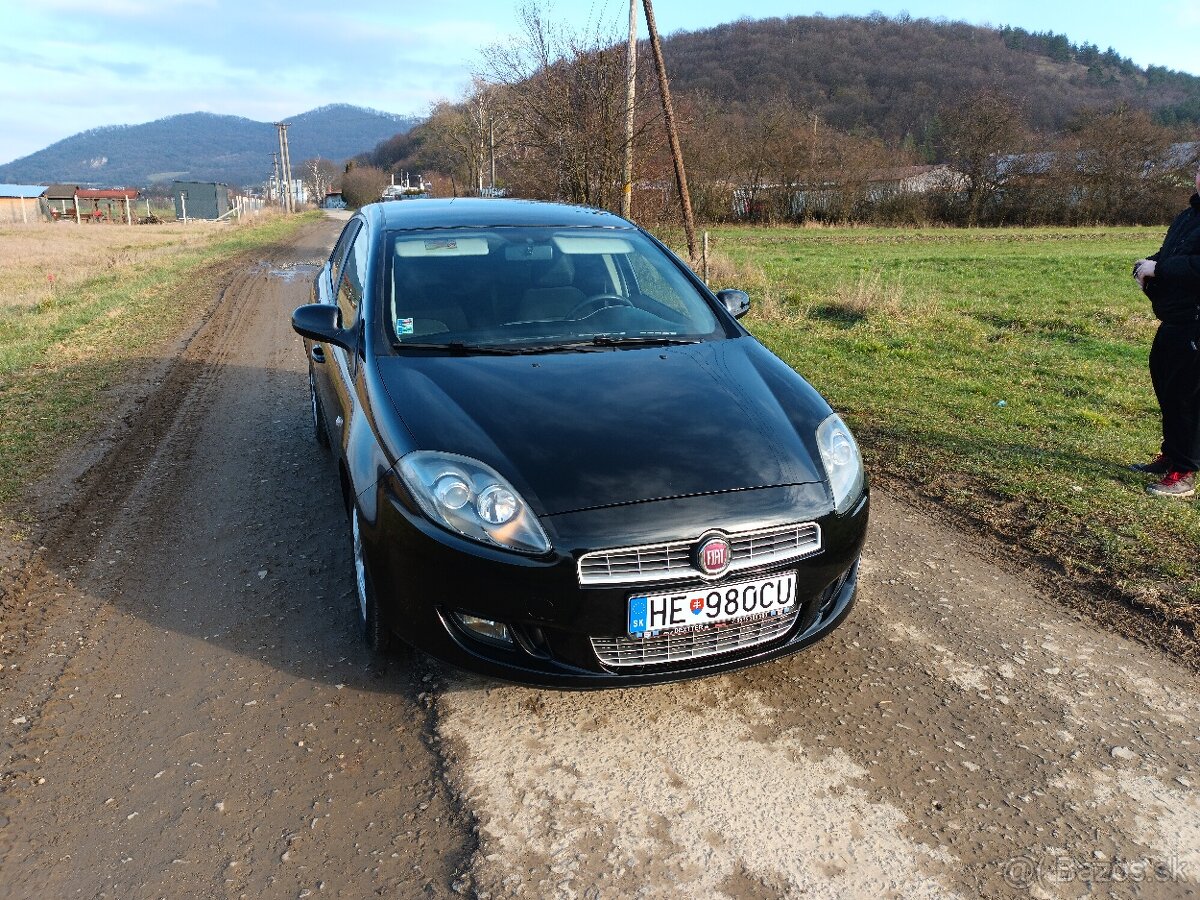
(185,709)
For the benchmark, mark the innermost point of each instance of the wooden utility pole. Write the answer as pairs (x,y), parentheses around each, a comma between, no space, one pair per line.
(685,199)
(630,87)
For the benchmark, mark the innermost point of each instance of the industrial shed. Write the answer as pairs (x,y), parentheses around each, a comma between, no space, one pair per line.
(201,200)
(22,203)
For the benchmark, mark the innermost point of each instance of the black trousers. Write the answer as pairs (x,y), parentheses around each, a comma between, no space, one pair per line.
(1175,371)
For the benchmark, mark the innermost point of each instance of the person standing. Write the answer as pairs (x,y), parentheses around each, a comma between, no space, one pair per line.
(1171,279)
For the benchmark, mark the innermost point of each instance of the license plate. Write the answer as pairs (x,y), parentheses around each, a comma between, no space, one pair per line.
(698,607)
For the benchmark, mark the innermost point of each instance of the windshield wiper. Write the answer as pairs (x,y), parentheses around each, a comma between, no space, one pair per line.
(596,343)
(609,340)
(462,349)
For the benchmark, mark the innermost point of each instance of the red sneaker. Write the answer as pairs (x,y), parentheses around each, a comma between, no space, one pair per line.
(1176,485)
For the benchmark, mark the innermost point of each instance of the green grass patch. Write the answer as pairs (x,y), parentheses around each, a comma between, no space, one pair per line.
(57,358)
(1003,371)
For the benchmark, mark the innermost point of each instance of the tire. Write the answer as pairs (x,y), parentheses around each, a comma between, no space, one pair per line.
(371,626)
(320,435)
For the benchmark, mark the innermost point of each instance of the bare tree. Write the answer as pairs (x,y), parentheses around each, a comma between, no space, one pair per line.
(1123,171)
(979,136)
(468,136)
(564,102)
(319,175)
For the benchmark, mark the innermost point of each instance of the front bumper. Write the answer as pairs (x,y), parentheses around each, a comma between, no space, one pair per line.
(422,574)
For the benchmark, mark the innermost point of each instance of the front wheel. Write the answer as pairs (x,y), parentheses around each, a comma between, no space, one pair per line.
(370,623)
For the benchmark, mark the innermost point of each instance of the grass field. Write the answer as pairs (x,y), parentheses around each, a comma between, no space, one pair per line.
(1003,372)
(116,292)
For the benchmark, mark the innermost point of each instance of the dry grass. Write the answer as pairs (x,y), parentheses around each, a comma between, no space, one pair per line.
(40,262)
(867,298)
(118,292)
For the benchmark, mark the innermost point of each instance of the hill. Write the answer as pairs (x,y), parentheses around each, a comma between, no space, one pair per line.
(202,146)
(888,77)
(874,78)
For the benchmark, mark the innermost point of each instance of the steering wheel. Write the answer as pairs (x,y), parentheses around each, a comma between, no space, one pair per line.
(599,301)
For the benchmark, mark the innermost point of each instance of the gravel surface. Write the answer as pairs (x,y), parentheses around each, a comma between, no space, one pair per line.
(185,709)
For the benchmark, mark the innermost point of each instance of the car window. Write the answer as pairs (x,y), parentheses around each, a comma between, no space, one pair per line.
(354,276)
(539,285)
(339,251)
(651,283)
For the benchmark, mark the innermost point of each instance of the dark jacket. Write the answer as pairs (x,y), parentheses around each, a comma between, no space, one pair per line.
(1174,291)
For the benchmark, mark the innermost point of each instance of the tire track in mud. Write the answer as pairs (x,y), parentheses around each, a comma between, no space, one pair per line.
(198,717)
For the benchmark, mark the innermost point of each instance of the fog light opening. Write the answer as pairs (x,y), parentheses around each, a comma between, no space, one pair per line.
(485,629)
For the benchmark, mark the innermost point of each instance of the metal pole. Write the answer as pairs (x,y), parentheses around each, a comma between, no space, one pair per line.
(128,214)
(286,162)
(282,169)
(183,203)
(287,154)
(630,87)
(685,199)
(706,257)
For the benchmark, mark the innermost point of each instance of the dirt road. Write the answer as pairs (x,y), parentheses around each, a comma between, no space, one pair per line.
(192,715)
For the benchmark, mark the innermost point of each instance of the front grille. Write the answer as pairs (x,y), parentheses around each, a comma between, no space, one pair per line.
(662,562)
(618,652)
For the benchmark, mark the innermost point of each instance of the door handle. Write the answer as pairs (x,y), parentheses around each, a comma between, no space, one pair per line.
(318,354)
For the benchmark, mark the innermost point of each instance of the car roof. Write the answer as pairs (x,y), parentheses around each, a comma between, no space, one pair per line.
(465,212)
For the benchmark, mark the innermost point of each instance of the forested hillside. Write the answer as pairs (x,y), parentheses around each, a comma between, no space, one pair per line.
(889,77)
(812,118)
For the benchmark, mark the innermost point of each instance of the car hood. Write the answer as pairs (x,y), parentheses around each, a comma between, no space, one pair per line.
(575,431)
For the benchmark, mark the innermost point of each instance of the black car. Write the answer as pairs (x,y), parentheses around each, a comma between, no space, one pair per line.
(563,459)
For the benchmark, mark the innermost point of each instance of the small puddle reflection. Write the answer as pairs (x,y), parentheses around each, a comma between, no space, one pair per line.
(289,271)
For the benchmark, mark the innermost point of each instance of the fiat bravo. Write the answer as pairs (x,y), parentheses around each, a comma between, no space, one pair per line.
(563,459)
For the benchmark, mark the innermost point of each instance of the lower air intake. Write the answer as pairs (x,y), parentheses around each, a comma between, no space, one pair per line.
(618,652)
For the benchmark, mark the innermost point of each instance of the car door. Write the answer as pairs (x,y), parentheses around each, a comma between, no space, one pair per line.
(342,365)
(325,291)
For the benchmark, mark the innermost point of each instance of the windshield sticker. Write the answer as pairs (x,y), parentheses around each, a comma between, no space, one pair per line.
(404,326)
(460,245)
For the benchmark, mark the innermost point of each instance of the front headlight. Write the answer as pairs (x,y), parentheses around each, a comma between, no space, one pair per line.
(471,498)
(843,463)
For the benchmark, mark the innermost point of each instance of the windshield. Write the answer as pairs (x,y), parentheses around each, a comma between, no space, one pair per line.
(537,288)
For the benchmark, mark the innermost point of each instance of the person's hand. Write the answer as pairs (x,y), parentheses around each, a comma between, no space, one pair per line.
(1143,269)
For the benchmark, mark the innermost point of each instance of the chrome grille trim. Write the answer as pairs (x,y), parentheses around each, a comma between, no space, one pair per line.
(664,562)
(619,652)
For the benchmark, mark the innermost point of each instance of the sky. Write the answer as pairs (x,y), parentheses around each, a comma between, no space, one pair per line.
(71,65)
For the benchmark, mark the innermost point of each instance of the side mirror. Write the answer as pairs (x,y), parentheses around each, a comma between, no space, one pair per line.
(319,322)
(737,302)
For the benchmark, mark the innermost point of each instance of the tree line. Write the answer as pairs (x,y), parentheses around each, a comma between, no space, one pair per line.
(544,118)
